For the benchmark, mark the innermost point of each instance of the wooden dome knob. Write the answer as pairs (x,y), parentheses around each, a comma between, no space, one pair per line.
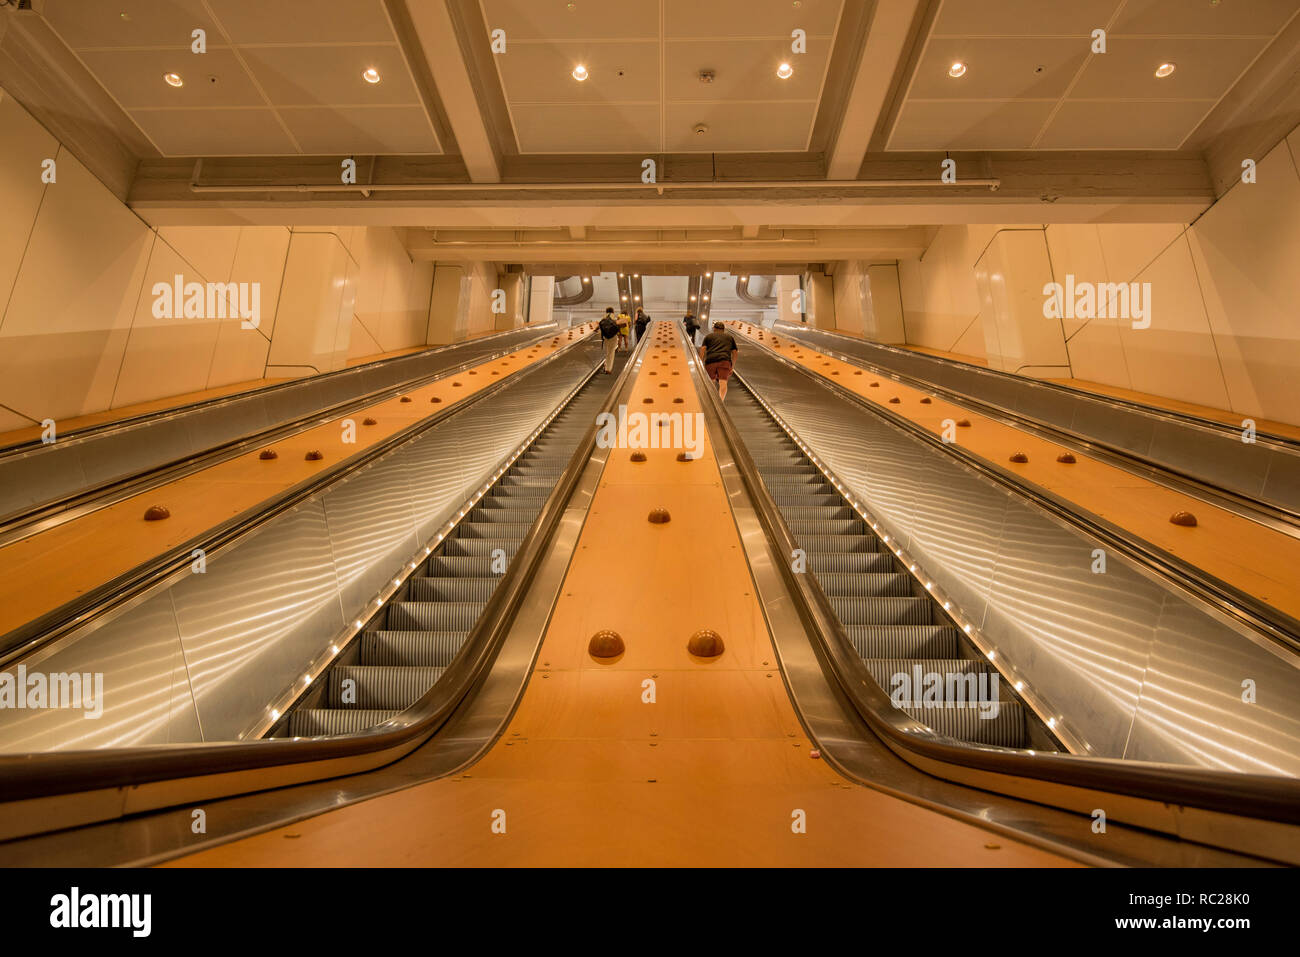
(963,423)
(1020,457)
(266,455)
(606,644)
(156,513)
(685,457)
(1186,519)
(895,400)
(369,421)
(926,400)
(659,516)
(435,399)
(313,456)
(637,456)
(705,643)
(1066,458)
(407,398)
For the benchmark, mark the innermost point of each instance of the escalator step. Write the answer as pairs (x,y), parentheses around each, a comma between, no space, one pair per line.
(837,526)
(313,722)
(499,513)
(883,611)
(837,543)
(453,589)
(378,687)
(434,615)
(798,499)
(817,512)
(832,562)
(1006,729)
(903,641)
(459,566)
(479,547)
(884,669)
(516,530)
(865,585)
(411,648)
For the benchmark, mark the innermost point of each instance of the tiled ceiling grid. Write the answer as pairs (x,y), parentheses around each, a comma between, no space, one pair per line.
(287,75)
(1032,81)
(658,99)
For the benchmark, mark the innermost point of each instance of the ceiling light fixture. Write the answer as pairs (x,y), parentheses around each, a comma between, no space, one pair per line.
(785,71)
(580,73)
(1164,70)
(370,75)
(957,69)
(173,79)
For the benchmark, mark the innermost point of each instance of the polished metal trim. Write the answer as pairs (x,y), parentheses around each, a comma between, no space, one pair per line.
(136,585)
(43,516)
(1263,810)
(1271,515)
(848,744)
(1267,624)
(149,418)
(472,701)
(1284,442)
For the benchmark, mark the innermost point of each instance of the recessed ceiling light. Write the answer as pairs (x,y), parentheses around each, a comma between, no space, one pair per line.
(957,69)
(371,75)
(692,297)
(785,71)
(585,279)
(708,275)
(580,73)
(1165,69)
(173,79)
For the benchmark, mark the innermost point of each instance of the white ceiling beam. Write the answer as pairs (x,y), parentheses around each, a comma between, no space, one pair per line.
(451,76)
(881,56)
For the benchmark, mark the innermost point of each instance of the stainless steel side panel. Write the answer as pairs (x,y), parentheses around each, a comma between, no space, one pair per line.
(1134,666)
(256,617)
(201,658)
(146,697)
(1264,469)
(74,463)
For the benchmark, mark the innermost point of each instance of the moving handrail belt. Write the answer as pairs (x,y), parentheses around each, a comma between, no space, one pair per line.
(31,778)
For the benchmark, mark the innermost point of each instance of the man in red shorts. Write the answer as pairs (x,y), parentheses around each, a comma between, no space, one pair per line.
(719,354)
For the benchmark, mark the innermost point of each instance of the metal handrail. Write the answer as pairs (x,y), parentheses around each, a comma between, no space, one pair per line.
(1273,798)
(1153,411)
(138,582)
(35,776)
(1270,623)
(1276,517)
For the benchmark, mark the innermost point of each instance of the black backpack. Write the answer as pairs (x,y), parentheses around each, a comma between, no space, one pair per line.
(608,327)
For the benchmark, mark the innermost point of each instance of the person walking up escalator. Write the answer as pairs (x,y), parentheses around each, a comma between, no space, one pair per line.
(692,327)
(609,338)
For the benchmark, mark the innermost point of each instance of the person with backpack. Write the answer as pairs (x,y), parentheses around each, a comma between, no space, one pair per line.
(624,328)
(692,327)
(609,338)
(718,353)
(642,320)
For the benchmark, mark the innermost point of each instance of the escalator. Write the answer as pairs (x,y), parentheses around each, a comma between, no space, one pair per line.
(898,629)
(410,642)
